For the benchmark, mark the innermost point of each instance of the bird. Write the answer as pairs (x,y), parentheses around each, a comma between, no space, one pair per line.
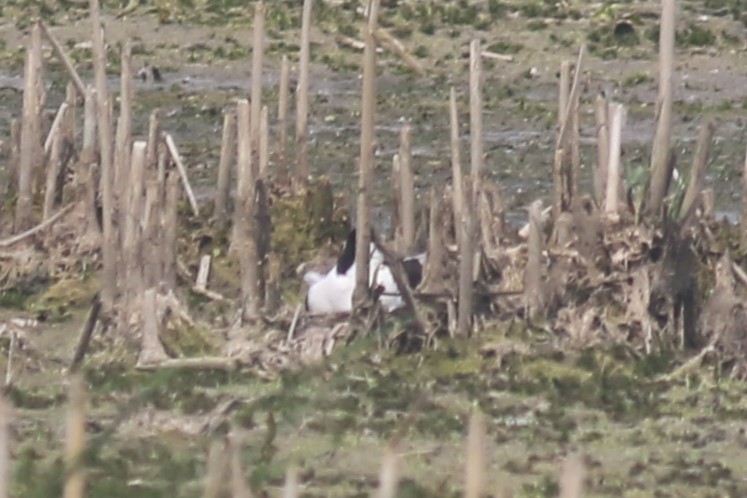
(332,292)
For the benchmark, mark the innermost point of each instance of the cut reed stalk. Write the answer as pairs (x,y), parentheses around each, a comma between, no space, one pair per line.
(697,174)
(366,164)
(109,258)
(466,262)
(533,296)
(75,439)
(456,162)
(67,64)
(617,121)
(169,230)
(302,96)
(258,50)
(31,135)
(227,158)
(662,139)
(283,93)
(264,142)
(151,153)
(53,170)
(474,471)
(603,148)
(407,191)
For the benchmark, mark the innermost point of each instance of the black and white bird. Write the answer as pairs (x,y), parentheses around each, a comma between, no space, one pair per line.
(332,292)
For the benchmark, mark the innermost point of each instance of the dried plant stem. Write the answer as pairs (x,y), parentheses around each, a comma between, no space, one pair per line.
(151,154)
(258,50)
(475,115)
(227,157)
(474,472)
(38,228)
(617,121)
(59,118)
(169,230)
(456,163)
(603,148)
(302,96)
(407,191)
(109,272)
(31,145)
(368,117)
(533,296)
(216,470)
(697,173)
(177,158)
(283,93)
(264,142)
(396,47)
(53,171)
(75,439)
(85,336)
(660,153)
(124,126)
(58,50)
(466,263)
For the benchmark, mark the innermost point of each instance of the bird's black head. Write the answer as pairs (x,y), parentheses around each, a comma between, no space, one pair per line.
(347,258)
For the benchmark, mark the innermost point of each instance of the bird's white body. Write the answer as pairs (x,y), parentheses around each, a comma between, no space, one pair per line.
(332,292)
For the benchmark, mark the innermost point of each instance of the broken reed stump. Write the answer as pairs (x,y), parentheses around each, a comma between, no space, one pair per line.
(475,116)
(227,159)
(53,169)
(258,51)
(565,174)
(466,245)
(290,487)
(245,235)
(603,148)
(572,477)
(169,230)
(456,163)
(123,135)
(697,174)
(389,474)
(533,295)
(282,143)
(154,131)
(239,487)
(617,121)
(302,98)
(132,207)
(31,156)
(474,472)
(660,152)
(75,439)
(84,340)
(109,258)
(264,142)
(366,161)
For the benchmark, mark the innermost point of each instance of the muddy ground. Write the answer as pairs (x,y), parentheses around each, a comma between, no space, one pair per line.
(641,433)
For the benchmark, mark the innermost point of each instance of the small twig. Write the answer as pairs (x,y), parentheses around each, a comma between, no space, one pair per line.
(739,273)
(496,56)
(38,228)
(294,322)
